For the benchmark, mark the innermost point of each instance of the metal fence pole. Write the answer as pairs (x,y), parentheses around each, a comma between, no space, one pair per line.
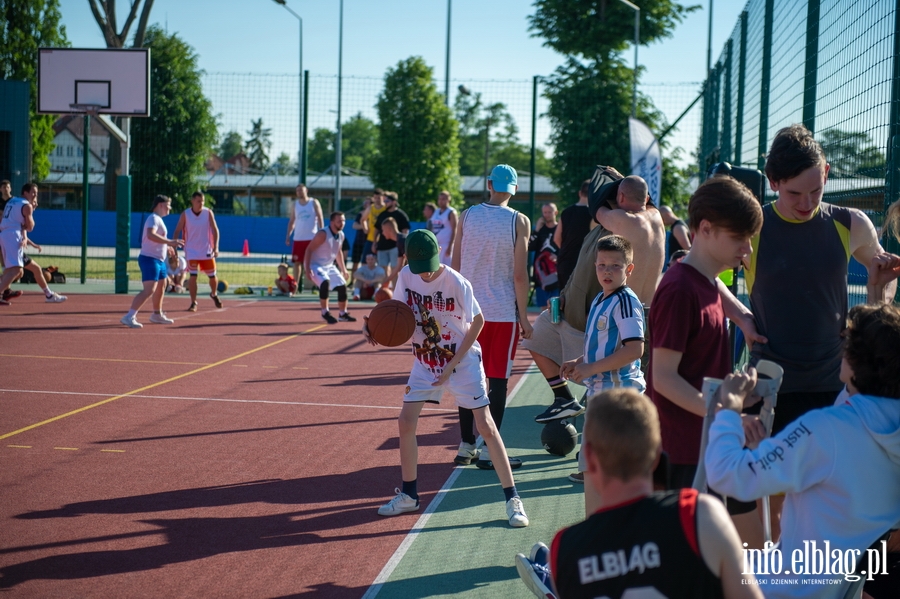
(742,77)
(534,94)
(86,191)
(304,137)
(892,184)
(812,65)
(727,149)
(764,86)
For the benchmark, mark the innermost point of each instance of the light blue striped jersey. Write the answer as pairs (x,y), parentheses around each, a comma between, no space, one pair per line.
(613,320)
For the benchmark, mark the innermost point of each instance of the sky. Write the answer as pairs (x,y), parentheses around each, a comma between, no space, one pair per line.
(490,40)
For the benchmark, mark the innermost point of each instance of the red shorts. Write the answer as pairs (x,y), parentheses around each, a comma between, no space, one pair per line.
(208,266)
(299,251)
(498,348)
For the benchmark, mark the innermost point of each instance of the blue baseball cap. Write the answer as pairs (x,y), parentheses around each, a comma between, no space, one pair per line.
(504,179)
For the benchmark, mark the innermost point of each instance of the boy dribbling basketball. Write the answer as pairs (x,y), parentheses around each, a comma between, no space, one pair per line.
(447,355)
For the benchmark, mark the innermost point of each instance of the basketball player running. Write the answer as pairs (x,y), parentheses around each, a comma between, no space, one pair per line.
(306,219)
(324,264)
(17,221)
(201,246)
(675,544)
(491,251)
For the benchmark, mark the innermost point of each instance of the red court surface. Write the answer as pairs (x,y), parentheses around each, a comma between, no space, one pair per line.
(240,452)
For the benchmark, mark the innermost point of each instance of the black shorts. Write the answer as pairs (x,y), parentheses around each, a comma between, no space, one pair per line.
(26,260)
(681,476)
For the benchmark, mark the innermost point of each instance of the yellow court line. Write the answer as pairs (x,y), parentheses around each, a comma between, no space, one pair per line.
(112,450)
(20,446)
(170,380)
(100,359)
(67,448)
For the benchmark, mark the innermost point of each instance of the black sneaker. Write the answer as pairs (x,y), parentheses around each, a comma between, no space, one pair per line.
(561,408)
(329,318)
(345,317)
(216,301)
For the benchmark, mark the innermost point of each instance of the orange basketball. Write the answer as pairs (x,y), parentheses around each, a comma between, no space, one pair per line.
(391,323)
(382,294)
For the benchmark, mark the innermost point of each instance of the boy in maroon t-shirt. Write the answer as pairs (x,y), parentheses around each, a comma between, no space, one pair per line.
(689,337)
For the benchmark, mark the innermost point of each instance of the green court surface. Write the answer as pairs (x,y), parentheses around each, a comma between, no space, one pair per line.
(466,547)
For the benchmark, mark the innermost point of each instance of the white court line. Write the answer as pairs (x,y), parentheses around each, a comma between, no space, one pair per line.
(419,526)
(221,399)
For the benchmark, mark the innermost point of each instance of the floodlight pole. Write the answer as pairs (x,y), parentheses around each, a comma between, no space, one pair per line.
(447,57)
(301,154)
(637,42)
(340,133)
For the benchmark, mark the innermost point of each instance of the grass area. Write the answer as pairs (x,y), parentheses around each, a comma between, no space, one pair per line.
(237,274)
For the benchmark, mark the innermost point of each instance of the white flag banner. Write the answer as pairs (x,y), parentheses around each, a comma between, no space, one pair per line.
(646,161)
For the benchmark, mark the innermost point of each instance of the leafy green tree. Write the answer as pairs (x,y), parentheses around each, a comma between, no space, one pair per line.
(232,145)
(590,95)
(171,146)
(359,143)
(258,145)
(320,153)
(475,119)
(600,29)
(359,146)
(418,137)
(31,24)
(851,154)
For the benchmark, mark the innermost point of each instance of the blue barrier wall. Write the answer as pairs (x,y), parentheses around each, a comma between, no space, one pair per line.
(264,235)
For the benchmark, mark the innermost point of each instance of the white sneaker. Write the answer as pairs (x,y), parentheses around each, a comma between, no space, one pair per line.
(516,513)
(131,321)
(400,504)
(160,319)
(55,298)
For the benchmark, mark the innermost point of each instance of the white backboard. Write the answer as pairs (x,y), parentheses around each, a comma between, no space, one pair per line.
(115,80)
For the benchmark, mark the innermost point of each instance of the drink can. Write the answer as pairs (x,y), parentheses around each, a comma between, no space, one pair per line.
(262,292)
(270,290)
(554,310)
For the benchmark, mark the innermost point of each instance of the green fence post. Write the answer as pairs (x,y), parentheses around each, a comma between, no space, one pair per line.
(123,231)
(86,192)
(892,183)
(764,86)
(727,150)
(742,76)
(812,65)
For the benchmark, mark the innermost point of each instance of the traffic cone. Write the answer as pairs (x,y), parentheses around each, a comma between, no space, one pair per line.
(246,251)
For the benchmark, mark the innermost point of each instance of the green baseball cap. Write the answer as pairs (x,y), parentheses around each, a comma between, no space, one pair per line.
(422,252)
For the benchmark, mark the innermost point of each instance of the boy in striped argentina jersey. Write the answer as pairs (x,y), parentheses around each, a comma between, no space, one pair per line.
(614,335)
(613,338)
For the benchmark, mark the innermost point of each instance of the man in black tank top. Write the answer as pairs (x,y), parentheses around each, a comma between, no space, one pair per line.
(640,543)
(574,224)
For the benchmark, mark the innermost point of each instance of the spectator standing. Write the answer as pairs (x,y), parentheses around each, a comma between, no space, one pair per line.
(305,220)
(689,334)
(544,270)
(388,254)
(574,224)
(443,224)
(491,251)
(797,277)
(361,229)
(679,234)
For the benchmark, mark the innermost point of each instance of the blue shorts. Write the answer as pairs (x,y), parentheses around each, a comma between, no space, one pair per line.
(151,268)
